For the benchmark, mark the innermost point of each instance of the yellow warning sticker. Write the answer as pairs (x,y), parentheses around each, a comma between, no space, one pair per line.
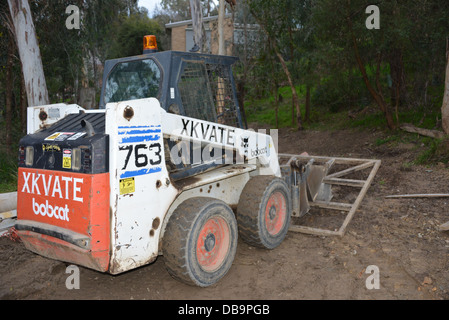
(67,162)
(53,136)
(67,159)
(127,186)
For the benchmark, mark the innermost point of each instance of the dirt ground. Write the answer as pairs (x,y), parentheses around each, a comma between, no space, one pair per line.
(399,236)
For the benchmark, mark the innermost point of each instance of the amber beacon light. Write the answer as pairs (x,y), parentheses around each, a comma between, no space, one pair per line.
(149,44)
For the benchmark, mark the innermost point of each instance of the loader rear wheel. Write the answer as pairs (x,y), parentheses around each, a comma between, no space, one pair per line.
(264,211)
(200,241)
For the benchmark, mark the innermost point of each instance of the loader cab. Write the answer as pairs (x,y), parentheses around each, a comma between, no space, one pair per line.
(196,85)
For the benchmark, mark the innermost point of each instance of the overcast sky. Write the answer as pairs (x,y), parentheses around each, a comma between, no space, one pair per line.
(149,4)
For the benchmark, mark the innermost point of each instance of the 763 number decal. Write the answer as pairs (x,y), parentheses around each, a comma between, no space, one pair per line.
(140,151)
(142,155)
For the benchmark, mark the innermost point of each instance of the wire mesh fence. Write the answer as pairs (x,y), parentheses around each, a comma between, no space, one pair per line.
(206,93)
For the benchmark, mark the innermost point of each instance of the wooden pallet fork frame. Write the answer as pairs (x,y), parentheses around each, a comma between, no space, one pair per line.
(336,178)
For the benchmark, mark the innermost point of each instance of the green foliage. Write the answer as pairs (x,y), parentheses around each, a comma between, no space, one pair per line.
(404,60)
(129,35)
(262,110)
(434,151)
(71,58)
(382,141)
(371,120)
(315,37)
(341,91)
(405,47)
(8,173)
(179,10)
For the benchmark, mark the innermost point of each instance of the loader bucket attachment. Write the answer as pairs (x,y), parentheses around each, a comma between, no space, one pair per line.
(310,179)
(316,177)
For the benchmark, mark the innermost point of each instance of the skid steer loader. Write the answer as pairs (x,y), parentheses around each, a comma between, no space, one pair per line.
(163,167)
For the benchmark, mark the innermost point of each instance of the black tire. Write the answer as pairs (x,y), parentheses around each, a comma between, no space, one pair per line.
(200,241)
(264,212)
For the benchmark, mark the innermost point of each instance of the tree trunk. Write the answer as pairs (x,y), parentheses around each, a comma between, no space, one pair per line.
(293,113)
(397,77)
(276,106)
(377,96)
(445,105)
(290,34)
(241,100)
(29,52)
(424,132)
(287,73)
(276,96)
(197,24)
(242,81)
(9,95)
(221,13)
(292,86)
(307,115)
(23,105)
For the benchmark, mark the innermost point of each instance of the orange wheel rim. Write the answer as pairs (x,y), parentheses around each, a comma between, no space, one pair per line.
(275,213)
(213,244)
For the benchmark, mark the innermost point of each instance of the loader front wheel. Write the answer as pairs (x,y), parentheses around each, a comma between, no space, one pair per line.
(264,212)
(200,241)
